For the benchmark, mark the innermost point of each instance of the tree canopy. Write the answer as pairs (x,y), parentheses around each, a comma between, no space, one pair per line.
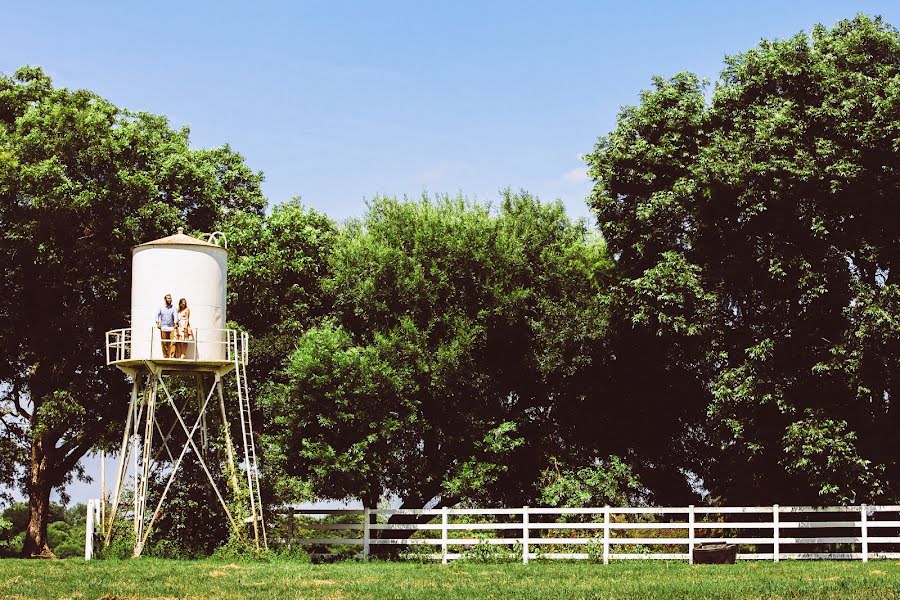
(456,337)
(768,210)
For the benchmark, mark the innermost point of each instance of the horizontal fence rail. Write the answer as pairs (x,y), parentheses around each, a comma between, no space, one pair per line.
(603,534)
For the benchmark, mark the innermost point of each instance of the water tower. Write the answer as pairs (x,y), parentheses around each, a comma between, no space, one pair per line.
(183,267)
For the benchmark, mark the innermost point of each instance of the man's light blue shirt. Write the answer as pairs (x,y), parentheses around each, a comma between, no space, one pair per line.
(165,316)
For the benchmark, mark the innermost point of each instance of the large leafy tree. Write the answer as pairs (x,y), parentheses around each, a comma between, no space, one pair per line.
(459,347)
(81,182)
(755,233)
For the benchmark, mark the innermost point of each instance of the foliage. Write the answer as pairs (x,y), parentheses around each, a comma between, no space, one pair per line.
(121,543)
(66,529)
(192,523)
(276,266)
(238,548)
(610,482)
(754,244)
(817,448)
(456,335)
(81,182)
(486,552)
(5,539)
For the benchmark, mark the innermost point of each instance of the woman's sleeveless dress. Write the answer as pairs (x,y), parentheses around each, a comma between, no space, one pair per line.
(184,326)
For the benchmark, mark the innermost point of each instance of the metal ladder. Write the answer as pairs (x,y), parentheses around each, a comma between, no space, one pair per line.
(250,463)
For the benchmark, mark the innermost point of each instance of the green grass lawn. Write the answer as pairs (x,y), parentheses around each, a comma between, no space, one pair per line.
(155,578)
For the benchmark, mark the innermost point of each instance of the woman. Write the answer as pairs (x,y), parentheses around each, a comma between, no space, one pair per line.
(183,327)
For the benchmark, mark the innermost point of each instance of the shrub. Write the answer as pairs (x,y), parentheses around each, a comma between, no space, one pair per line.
(69,549)
(121,544)
(485,552)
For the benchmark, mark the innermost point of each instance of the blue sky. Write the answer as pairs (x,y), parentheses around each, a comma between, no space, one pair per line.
(339,101)
(336,102)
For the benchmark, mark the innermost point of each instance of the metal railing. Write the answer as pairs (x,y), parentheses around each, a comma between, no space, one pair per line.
(609,533)
(217,345)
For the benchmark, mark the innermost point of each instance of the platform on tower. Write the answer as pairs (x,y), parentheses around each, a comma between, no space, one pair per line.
(209,350)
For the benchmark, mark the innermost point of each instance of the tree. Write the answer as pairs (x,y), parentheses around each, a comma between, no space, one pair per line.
(754,234)
(81,182)
(276,270)
(457,336)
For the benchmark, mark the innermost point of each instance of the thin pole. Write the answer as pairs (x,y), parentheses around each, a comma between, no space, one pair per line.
(525,535)
(444,535)
(606,535)
(89,532)
(691,534)
(102,489)
(367,521)
(864,529)
(775,533)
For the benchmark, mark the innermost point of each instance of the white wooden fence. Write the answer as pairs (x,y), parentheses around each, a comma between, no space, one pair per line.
(608,533)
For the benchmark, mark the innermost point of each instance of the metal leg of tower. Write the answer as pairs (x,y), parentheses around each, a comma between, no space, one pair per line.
(134,456)
(204,434)
(122,469)
(138,442)
(144,488)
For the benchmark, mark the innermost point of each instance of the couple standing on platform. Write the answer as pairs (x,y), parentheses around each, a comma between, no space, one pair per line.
(174,327)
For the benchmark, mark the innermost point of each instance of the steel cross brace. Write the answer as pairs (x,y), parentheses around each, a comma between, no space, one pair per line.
(189,443)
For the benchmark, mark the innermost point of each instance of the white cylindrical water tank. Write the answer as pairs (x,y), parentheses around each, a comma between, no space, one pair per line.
(183,267)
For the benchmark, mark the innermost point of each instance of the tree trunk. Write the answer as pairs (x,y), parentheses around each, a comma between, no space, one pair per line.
(386,551)
(39,487)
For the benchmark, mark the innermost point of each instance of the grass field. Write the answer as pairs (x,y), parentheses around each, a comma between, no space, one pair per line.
(154,578)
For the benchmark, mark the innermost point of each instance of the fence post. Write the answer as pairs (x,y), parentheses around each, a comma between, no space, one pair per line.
(444,535)
(691,534)
(525,535)
(606,535)
(864,525)
(367,533)
(775,532)
(291,525)
(89,532)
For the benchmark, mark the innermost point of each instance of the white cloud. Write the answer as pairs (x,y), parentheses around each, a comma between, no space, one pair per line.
(577,175)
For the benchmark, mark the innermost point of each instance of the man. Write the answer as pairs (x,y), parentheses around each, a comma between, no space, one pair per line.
(165,322)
